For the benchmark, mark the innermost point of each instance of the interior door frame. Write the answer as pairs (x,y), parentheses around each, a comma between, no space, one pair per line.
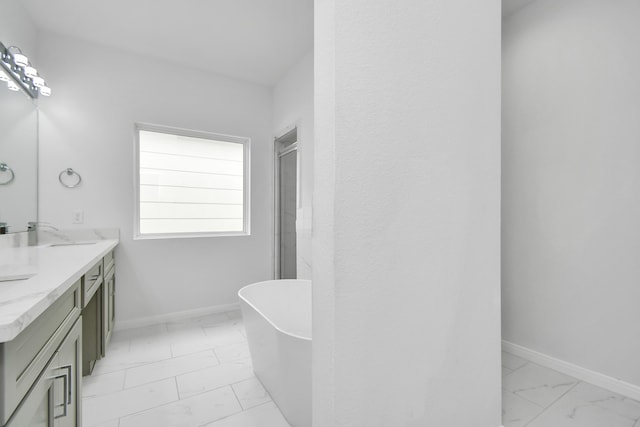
(282,145)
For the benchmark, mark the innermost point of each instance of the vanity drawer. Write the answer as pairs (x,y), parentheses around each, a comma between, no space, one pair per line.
(91,282)
(23,358)
(108,262)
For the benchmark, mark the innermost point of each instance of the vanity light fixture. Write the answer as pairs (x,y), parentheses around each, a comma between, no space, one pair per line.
(19,73)
(19,59)
(30,72)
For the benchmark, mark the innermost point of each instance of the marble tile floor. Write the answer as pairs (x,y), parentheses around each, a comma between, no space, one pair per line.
(195,372)
(535,396)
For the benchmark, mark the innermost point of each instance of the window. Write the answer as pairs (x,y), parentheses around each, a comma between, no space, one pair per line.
(190,183)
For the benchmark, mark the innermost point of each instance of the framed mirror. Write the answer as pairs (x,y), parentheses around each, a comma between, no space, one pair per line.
(18,159)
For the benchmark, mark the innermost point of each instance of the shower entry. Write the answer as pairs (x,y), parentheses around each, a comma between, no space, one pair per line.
(286,204)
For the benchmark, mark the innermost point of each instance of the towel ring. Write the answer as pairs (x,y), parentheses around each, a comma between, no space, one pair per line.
(70,172)
(6,169)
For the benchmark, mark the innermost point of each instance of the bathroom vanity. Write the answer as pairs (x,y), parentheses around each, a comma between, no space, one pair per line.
(53,327)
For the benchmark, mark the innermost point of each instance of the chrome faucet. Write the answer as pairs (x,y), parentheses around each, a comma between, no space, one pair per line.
(33,227)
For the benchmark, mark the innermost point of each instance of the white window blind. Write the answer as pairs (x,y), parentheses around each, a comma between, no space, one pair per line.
(191,184)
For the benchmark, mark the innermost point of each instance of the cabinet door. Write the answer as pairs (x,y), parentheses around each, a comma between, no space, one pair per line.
(109,309)
(92,331)
(37,408)
(53,400)
(70,364)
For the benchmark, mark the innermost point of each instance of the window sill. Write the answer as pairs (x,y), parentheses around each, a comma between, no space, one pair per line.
(189,235)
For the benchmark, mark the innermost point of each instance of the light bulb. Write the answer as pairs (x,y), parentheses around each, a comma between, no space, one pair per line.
(12,86)
(45,91)
(30,72)
(38,81)
(20,59)
(3,77)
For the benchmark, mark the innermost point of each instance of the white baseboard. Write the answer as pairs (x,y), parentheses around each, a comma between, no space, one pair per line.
(596,378)
(173,317)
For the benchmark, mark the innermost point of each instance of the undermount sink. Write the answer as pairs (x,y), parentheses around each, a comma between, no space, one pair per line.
(21,272)
(71,244)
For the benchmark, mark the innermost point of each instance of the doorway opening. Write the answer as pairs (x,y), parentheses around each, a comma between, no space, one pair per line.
(286,204)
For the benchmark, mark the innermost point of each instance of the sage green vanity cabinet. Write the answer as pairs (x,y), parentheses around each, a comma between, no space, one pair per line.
(38,407)
(54,398)
(70,361)
(40,369)
(109,300)
(98,312)
(50,319)
(91,282)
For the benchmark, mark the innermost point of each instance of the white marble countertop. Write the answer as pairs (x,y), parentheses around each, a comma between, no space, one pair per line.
(57,268)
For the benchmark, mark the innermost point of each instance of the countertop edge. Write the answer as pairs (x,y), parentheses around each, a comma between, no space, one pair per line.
(10,330)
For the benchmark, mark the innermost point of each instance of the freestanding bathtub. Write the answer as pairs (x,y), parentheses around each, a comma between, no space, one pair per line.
(277,317)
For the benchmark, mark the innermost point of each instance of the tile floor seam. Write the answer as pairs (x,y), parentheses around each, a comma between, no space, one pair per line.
(143,363)
(171,403)
(565,393)
(209,390)
(552,403)
(216,353)
(148,409)
(127,389)
(236,396)
(246,379)
(598,403)
(545,409)
(518,368)
(236,413)
(124,378)
(534,418)
(199,351)
(216,356)
(526,399)
(93,375)
(182,373)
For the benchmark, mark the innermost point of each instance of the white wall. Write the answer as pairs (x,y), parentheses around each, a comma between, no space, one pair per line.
(17,28)
(87,124)
(406,245)
(293,105)
(571,183)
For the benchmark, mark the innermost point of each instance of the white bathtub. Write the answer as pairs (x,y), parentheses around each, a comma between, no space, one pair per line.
(277,317)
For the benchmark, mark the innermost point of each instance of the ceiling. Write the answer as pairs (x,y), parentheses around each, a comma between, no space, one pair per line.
(250,40)
(511,6)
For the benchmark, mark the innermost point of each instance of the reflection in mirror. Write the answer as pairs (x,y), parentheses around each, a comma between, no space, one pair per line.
(19,152)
